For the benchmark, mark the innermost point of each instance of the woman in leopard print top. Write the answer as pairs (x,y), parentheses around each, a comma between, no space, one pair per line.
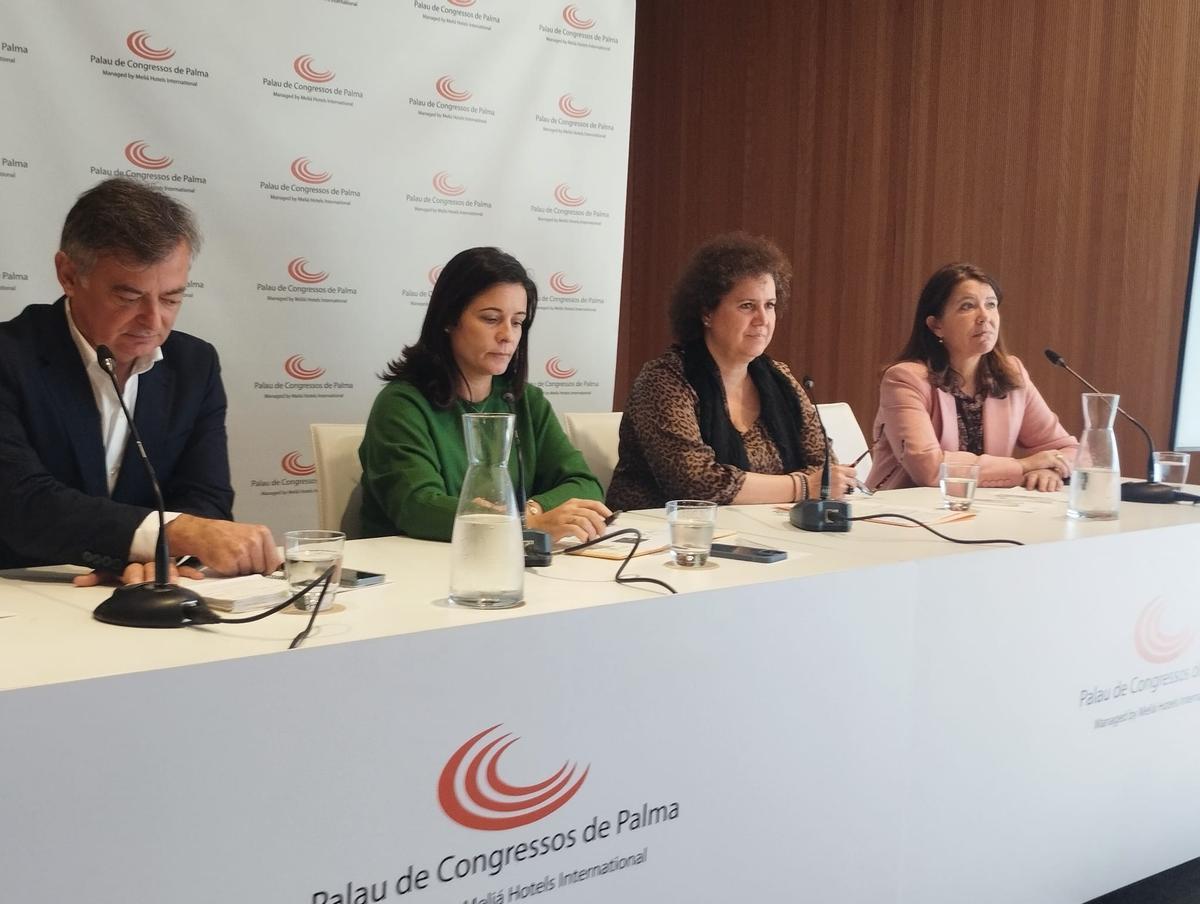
(715,418)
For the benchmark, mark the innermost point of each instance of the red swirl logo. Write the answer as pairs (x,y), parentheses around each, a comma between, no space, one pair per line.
(304,172)
(1153,643)
(298,270)
(291,464)
(306,70)
(563,195)
(135,153)
(563,286)
(571,17)
(445,87)
(433,274)
(567,104)
(462,2)
(473,794)
(443,186)
(138,43)
(294,367)
(555,368)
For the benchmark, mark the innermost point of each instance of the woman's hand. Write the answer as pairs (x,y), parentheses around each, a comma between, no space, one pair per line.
(1044,480)
(841,482)
(1046,461)
(582,518)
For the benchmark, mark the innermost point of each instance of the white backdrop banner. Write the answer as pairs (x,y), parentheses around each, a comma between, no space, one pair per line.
(337,153)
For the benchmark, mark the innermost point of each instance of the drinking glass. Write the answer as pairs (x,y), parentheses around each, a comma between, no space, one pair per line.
(1171,468)
(306,556)
(690,524)
(958,486)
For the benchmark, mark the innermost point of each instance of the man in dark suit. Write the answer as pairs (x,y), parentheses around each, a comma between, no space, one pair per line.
(72,487)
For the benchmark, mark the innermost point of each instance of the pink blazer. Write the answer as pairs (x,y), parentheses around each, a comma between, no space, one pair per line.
(916,429)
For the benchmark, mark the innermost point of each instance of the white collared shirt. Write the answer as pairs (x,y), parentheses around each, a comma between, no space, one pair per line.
(114,430)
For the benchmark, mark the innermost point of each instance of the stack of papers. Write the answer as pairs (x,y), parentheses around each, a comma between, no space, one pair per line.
(241,594)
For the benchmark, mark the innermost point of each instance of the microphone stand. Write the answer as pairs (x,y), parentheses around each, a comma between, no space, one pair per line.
(153,604)
(825,514)
(536,543)
(1136,491)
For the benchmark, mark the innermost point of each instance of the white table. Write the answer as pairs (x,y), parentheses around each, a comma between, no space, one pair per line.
(882,716)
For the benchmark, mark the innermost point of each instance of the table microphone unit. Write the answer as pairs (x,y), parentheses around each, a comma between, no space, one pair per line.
(154,604)
(822,514)
(1143,491)
(539,550)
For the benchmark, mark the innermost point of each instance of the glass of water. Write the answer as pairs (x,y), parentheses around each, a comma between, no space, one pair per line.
(958,485)
(690,524)
(306,556)
(1171,468)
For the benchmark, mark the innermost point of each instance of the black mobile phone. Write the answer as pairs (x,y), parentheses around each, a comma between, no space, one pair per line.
(747,553)
(354,578)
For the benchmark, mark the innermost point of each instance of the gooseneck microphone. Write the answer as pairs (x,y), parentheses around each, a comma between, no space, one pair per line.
(154,604)
(822,514)
(1144,491)
(538,546)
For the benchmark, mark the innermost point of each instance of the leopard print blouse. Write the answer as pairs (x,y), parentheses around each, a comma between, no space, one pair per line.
(661,453)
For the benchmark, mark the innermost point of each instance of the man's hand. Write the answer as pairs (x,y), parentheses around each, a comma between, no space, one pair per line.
(134,573)
(225,547)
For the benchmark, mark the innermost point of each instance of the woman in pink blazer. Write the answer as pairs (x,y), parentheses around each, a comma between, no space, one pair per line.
(956,395)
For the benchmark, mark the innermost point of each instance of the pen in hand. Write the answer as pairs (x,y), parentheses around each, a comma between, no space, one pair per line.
(611,518)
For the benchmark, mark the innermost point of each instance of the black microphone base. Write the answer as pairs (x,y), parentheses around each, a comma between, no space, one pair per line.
(153,605)
(828,515)
(539,548)
(1147,491)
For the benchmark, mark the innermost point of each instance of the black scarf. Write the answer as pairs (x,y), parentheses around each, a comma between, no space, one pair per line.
(781,412)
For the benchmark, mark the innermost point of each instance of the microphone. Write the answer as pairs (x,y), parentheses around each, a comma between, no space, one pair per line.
(824,514)
(1144,491)
(154,604)
(538,548)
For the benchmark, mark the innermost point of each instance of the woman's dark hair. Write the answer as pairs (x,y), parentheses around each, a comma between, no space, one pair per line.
(712,272)
(996,375)
(429,363)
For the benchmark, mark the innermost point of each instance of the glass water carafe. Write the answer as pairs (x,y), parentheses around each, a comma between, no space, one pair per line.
(1096,480)
(487,556)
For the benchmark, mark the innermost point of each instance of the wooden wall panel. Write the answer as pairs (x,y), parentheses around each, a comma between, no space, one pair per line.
(1055,143)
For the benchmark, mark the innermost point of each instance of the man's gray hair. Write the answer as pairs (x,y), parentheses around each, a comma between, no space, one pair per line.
(129,220)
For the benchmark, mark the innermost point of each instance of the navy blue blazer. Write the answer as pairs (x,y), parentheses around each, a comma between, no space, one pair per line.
(54,502)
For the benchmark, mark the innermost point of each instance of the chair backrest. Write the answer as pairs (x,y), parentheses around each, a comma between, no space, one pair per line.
(595,435)
(845,435)
(339,477)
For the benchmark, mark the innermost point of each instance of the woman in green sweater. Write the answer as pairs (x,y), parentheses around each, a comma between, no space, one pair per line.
(472,356)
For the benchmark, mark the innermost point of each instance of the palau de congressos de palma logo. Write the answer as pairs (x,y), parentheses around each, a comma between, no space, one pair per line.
(569,205)
(1162,634)
(310,81)
(472,792)
(11,51)
(151,164)
(463,13)
(310,183)
(572,116)
(452,99)
(297,478)
(556,369)
(450,195)
(476,792)
(302,381)
(144,58)
(306,282)
(578,26)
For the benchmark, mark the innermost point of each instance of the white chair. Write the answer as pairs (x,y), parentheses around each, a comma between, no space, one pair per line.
(845,435)
(339,477)
(595,435)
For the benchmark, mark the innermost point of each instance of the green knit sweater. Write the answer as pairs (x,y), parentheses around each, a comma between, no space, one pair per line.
(415,460)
